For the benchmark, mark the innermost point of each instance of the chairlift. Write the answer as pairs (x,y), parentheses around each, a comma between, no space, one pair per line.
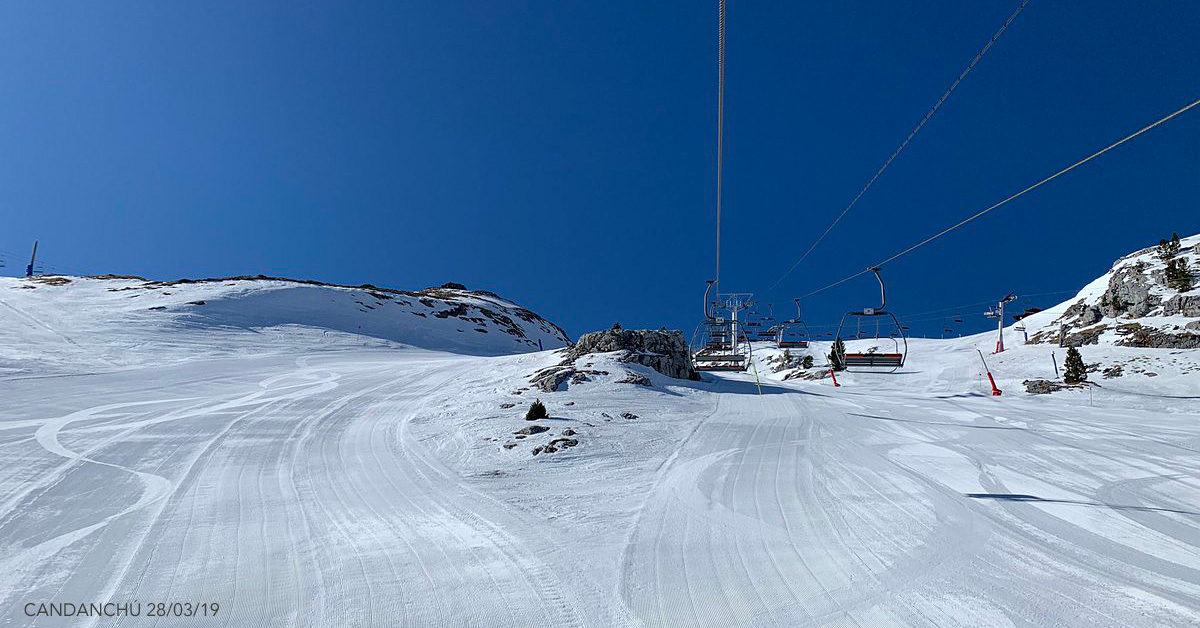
(872,360)
(793,332)
(719,343)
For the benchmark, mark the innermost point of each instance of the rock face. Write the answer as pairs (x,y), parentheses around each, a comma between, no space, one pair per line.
(1129,293)
(1135,335)
(663,351)
(1135,304)
(1187,305)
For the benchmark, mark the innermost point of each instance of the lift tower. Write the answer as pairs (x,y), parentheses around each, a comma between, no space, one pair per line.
(997,313)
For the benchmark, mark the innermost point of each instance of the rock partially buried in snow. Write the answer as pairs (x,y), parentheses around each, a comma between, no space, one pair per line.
(532,429)
(636,379)
(1045,386)
(662,350)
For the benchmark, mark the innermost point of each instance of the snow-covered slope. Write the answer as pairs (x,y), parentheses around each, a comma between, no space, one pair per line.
(307,470)
(1132,304)
(65,324)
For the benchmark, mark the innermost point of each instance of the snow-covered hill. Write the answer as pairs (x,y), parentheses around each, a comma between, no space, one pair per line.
(68,324)
(1133,304)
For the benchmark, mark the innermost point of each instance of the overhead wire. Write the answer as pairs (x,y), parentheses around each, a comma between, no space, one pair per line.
(917,129)
(1010,198)
(720,126)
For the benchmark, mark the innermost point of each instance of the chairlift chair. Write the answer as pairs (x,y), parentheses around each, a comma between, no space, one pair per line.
(793,332)
(719,344)
(873,360)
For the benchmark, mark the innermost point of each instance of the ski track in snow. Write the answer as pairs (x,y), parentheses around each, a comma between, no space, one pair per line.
(337,490)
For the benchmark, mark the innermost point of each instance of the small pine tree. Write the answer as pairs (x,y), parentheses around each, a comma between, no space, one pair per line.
(835,356)
(616,327)
(537,410)
(1075,372)
(1169,248)
(1179,276)
(807,362)
(787,357)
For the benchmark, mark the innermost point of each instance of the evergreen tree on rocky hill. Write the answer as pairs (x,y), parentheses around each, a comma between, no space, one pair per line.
(1076,372)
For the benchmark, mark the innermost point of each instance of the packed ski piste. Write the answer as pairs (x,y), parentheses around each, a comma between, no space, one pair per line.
(292,453)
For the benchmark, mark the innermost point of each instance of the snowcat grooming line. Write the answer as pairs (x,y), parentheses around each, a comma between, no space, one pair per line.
(870,360)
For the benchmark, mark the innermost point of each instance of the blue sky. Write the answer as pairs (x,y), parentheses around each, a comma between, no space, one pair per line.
(561,153)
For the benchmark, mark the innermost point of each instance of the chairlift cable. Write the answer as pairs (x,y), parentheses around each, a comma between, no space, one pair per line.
(917,129)
(720,127)
(1013,197)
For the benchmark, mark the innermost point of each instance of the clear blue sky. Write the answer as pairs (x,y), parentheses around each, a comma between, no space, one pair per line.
(561,153)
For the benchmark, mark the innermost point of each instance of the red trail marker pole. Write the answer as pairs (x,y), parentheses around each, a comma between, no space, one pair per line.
(996,392)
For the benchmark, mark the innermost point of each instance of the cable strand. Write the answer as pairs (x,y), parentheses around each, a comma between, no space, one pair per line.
(917,129)
(1015,196)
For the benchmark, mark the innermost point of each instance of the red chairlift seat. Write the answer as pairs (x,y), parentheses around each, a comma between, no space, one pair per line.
(874,359)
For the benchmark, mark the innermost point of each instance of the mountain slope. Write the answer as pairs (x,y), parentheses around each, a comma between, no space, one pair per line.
(1133,304)
(68,324)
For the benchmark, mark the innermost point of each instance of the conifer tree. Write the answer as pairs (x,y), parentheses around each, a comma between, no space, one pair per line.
(1169,248)
(1179,276)
(835,356)
(1076,372)
(537,410)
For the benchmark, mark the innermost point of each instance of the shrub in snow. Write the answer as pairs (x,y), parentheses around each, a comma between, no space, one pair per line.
(1076,372)
(537,410)
(807,362)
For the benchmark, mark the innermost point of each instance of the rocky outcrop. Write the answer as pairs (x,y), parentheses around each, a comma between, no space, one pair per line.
(552,378)
(1045,386)
(1187,305)
(1089,336)
(662,350)
(1128,293)
(1135,335)
(1136,298)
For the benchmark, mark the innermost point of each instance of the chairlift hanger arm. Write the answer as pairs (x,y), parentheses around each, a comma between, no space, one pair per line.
(707,289)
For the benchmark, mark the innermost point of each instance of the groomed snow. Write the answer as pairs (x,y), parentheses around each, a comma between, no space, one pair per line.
(340,484)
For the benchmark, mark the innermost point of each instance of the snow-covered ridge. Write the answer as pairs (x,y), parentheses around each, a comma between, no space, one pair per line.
(72,324)
(1133,304)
